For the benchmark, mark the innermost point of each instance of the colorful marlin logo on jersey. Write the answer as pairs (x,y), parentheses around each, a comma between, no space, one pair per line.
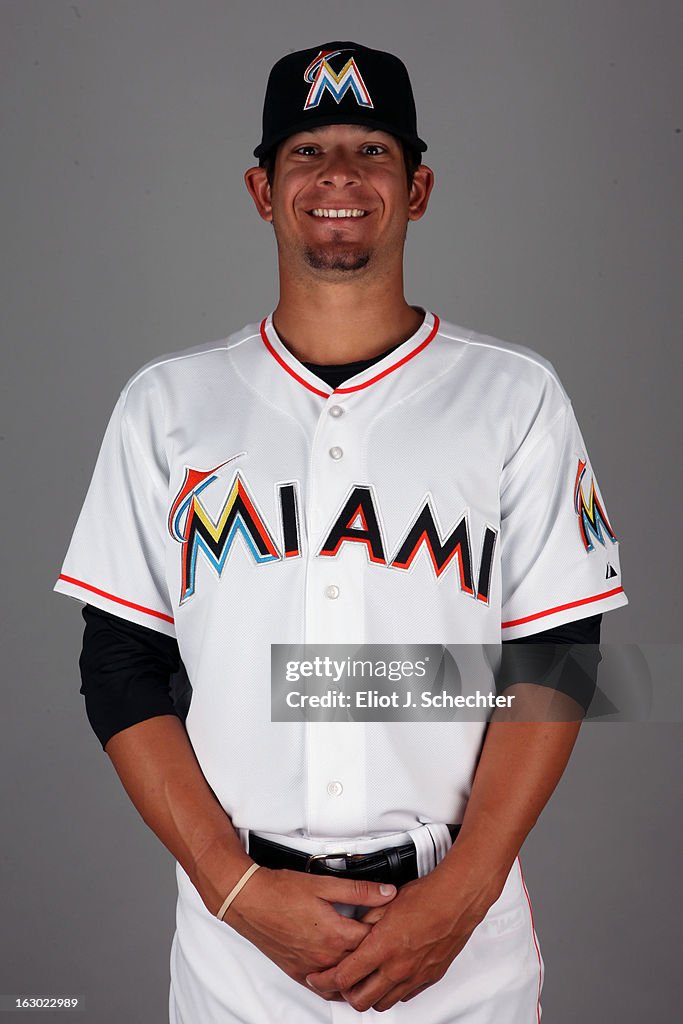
(592,519)
(356,521)
(322,76)
(192,526)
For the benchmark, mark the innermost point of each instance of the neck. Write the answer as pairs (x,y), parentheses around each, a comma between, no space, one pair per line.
(334,323)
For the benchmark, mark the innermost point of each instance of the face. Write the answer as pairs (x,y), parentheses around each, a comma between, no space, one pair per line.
(339,203)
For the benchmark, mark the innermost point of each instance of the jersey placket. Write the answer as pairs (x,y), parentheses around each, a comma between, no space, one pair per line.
(334,614)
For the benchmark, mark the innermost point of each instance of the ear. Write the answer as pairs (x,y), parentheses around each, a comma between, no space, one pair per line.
(257,185)
(420,190)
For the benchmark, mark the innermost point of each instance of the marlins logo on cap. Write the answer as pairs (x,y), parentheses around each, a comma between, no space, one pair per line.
(322,76)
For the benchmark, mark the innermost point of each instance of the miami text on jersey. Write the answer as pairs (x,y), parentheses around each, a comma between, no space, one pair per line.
(357,521)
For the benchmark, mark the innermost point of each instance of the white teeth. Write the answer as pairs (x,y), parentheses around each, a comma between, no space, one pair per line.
(338,213)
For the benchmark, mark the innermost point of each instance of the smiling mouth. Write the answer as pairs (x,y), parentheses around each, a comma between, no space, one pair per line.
(351,213)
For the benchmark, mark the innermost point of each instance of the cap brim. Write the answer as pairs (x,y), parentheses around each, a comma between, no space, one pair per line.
(341,118)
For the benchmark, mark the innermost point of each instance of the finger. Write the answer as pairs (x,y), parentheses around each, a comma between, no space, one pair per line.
(352,932)
(331,997)
(329,994)
(327,980)
(355,891)
(322,982)
(371,991)
(399,993)
(353,969)
(373,916)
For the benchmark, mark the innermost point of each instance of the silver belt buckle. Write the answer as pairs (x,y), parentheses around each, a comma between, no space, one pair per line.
(326,856)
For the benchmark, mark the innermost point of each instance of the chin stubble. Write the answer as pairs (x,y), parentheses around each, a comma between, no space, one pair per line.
(324,259)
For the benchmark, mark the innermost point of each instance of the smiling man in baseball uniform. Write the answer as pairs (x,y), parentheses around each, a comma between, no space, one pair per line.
(350,469)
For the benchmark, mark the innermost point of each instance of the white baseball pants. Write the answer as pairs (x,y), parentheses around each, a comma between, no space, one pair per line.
(218,977)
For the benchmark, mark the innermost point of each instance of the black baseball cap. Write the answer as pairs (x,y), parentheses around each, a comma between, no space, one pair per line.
(338,83)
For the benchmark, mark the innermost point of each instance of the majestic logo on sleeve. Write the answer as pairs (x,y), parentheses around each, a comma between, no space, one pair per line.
(322,77)
(593,522)
(357,521)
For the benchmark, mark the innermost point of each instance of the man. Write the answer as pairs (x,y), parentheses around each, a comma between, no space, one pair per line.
(351,469)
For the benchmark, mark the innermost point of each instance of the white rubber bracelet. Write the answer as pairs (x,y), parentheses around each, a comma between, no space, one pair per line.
(238,888)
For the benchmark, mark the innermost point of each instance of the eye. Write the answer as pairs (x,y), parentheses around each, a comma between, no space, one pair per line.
(374,145)
(307,145)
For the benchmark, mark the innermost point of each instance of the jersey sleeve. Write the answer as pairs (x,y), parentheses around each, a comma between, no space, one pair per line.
(559,551)
(116,558)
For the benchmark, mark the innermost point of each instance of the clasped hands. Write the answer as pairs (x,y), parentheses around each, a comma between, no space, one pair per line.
(405,941)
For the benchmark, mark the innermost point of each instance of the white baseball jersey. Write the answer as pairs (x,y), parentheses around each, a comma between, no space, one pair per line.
(444,495)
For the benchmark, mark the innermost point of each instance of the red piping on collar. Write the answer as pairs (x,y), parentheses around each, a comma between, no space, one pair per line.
(390,369)
(284,366)
(356,387)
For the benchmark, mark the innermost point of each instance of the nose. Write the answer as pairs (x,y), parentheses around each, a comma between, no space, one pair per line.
(339,170)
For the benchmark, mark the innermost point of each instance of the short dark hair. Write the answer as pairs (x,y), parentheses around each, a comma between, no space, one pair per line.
(411,157)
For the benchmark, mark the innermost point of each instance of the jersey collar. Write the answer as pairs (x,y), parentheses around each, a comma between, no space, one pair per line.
(407,350)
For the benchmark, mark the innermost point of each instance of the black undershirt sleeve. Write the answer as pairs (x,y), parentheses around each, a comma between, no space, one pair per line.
(565,658)
(126,672)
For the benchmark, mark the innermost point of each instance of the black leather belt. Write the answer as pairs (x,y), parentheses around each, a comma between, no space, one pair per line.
(396,864)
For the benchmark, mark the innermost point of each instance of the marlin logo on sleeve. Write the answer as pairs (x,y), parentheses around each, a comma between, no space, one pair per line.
(593,522)
(322,77)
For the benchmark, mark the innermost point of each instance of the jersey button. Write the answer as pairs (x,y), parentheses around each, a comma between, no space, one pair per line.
(336,453)
(336,411)
(335,788)
(332,592)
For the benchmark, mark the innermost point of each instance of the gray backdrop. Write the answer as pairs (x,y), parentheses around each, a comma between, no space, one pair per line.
(554,130)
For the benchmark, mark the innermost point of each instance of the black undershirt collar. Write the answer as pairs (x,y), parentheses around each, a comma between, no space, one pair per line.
(335,375)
